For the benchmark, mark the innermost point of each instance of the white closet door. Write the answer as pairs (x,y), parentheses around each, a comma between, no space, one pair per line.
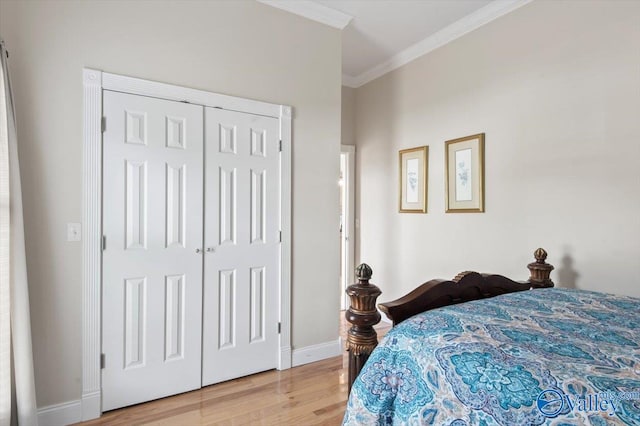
(152,274)
(241,288)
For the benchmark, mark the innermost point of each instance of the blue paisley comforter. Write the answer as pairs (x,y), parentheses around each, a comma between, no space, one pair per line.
(547,356)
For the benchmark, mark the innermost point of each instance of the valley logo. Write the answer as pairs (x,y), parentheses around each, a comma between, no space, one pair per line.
(552,402)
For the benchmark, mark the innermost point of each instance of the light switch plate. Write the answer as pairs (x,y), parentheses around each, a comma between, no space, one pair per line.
(74,232)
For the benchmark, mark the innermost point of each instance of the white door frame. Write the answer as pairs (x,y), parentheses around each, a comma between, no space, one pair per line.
(94,82)
(348,221)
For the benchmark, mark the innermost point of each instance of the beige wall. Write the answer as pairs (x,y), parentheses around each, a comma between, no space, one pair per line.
(348,115)
(556,88)
(241,48)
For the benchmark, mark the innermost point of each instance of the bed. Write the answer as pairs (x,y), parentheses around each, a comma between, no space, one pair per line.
(483,349)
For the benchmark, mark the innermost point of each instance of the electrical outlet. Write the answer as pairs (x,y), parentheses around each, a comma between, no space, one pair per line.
(74,232)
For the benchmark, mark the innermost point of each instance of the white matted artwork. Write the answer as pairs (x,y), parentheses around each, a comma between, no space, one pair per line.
(465,174)
(413,180)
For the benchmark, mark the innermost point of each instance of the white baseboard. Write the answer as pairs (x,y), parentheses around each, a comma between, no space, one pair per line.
(60,414)
(317,352)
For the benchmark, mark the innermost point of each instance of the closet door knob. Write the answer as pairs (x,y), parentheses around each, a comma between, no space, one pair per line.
(198,250)
(210,249)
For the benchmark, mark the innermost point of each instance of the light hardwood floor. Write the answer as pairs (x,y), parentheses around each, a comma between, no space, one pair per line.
(311,394)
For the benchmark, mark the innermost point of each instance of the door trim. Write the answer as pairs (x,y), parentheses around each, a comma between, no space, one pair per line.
(94,82)
(348,232)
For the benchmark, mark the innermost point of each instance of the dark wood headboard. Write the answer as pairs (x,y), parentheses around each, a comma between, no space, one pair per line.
(465,287)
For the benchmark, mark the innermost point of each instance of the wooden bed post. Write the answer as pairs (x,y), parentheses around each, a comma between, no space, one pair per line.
(363,315)
(540,270)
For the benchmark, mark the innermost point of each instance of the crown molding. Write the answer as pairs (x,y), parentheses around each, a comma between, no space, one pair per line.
(349,81)
(312,10)
(456,30)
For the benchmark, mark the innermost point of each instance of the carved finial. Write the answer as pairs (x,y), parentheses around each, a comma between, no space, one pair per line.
(540,270)
(540,255)
(364,272)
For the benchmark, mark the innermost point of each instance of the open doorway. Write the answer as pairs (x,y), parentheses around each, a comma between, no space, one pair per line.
(347,220)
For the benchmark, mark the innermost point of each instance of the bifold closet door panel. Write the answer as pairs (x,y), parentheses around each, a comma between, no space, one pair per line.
(152,266)
(242,260)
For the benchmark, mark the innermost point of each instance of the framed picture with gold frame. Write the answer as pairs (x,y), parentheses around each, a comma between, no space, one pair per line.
(414,168)
(464,165)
